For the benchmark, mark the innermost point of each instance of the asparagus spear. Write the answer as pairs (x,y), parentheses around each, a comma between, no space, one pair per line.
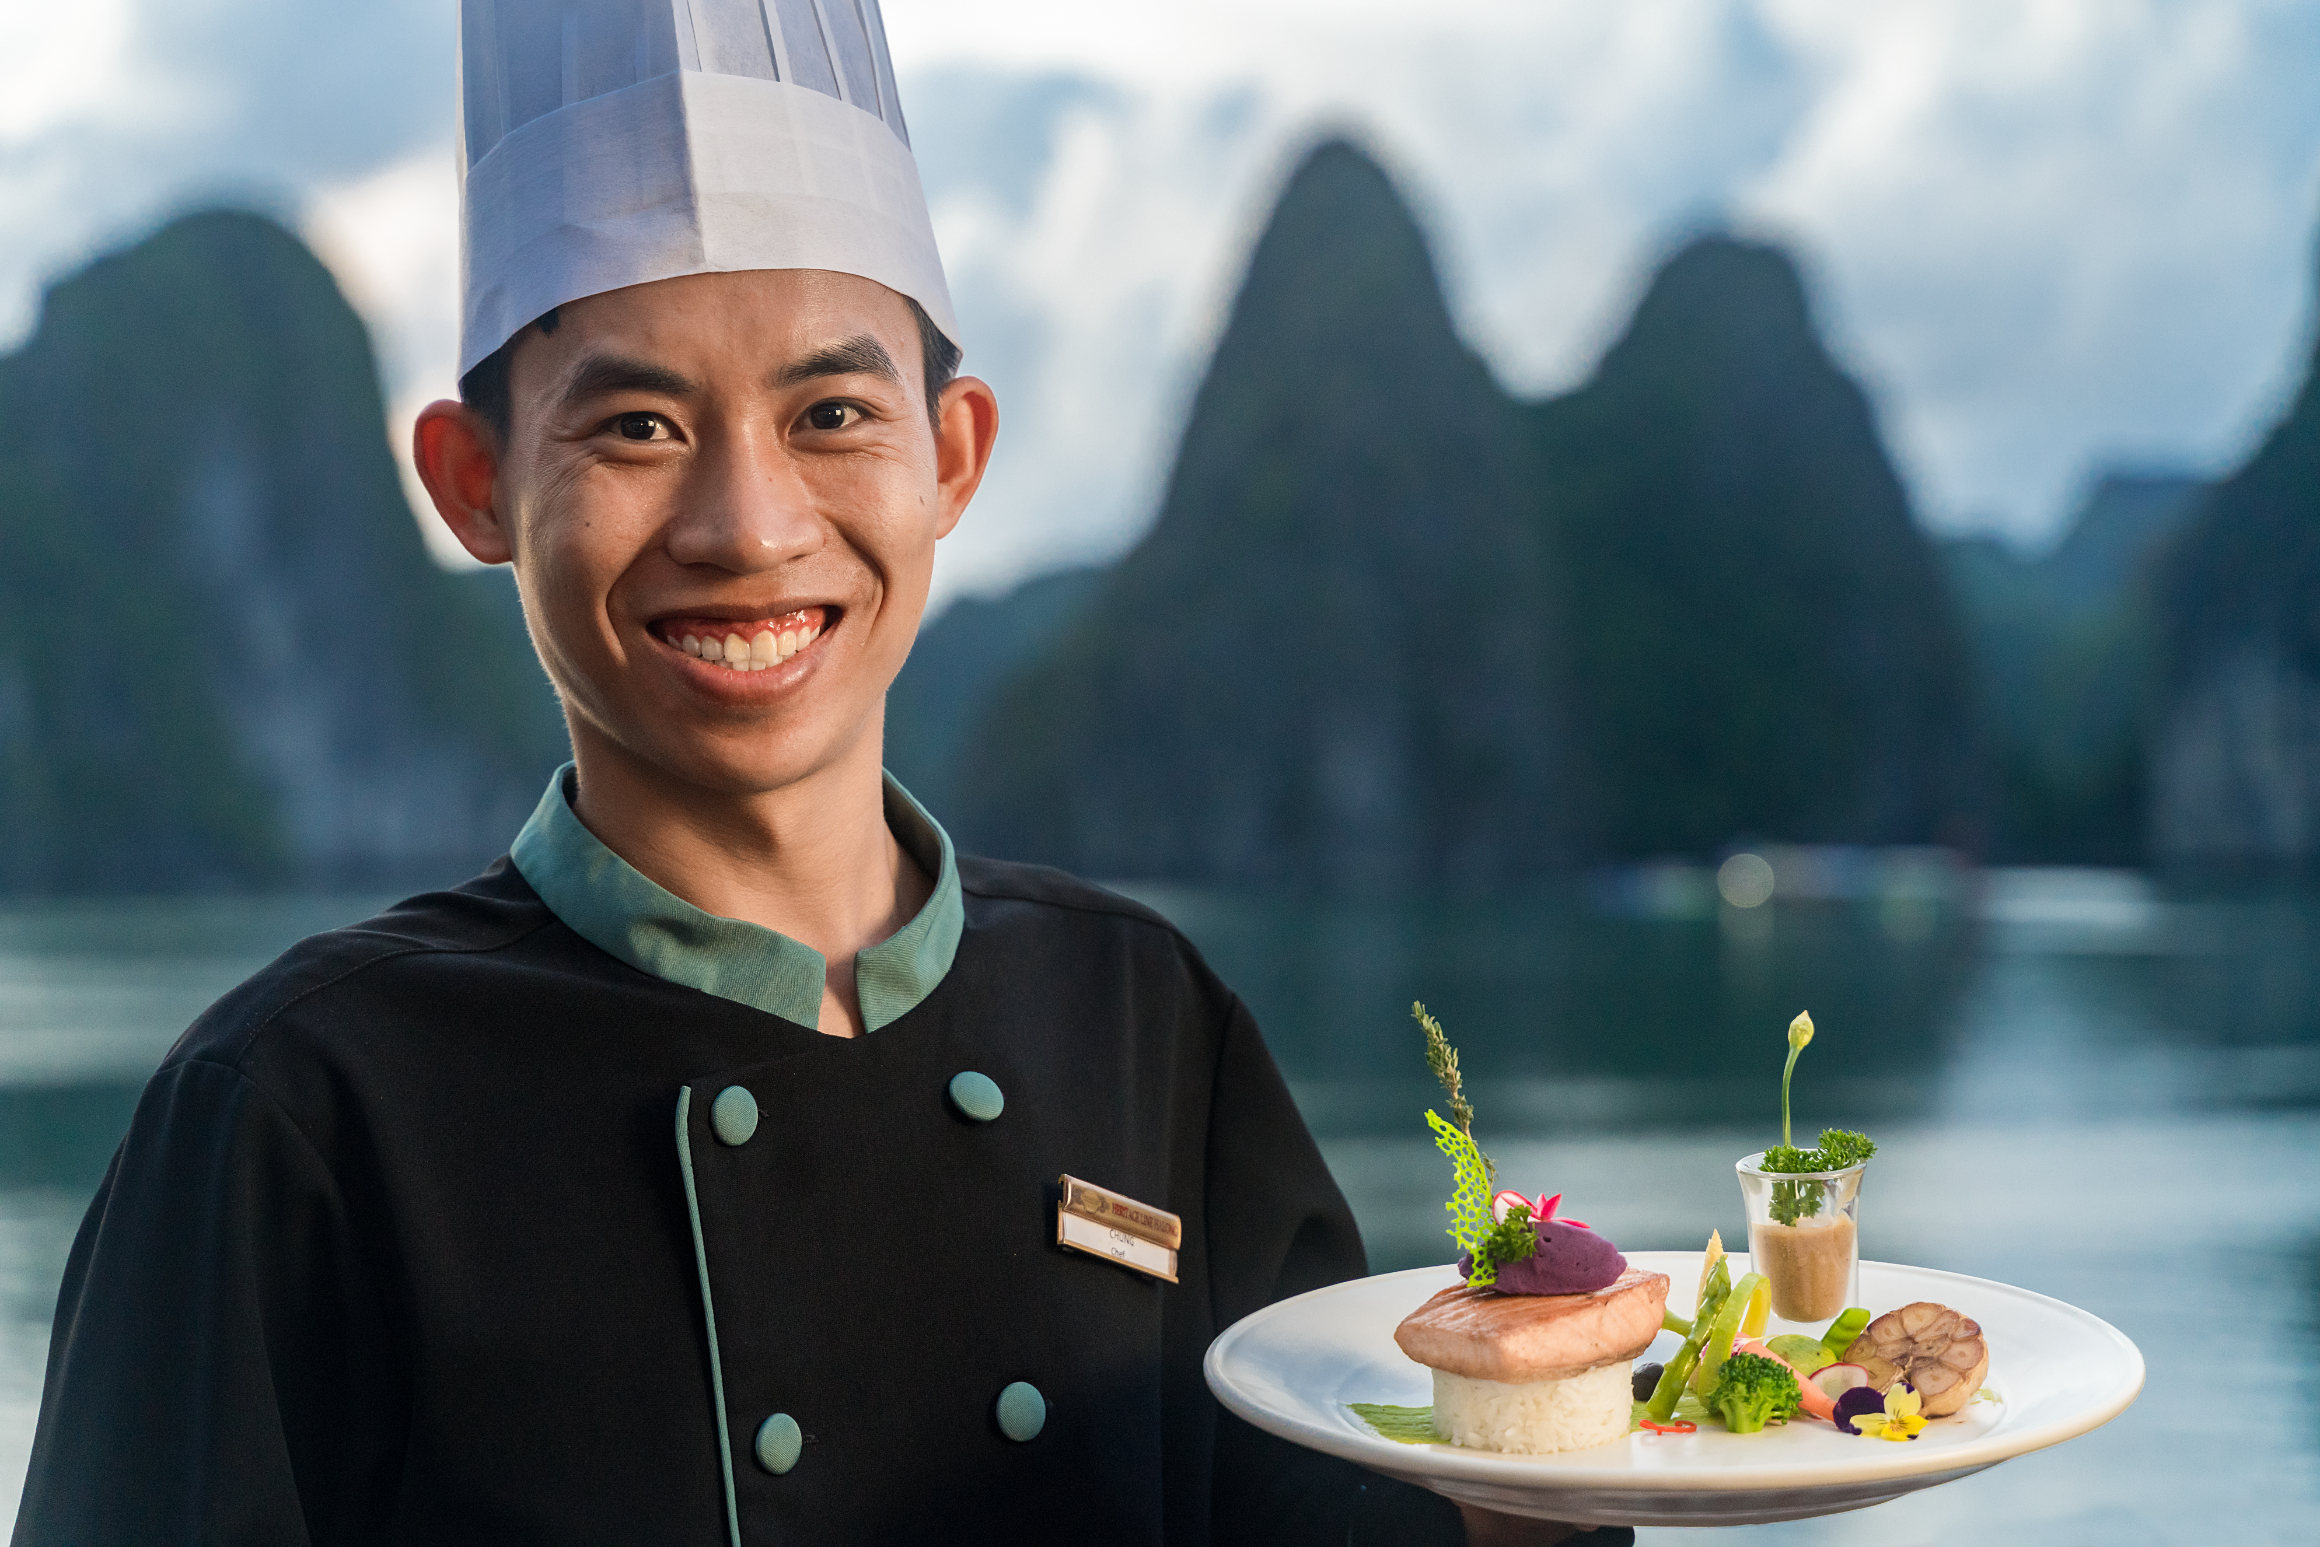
(1662,1405)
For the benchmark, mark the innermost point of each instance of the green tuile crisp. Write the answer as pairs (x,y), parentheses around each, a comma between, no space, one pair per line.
(1752,1391)
(1469,1205)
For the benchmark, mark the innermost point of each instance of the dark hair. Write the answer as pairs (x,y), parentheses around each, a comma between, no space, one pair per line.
(485,388)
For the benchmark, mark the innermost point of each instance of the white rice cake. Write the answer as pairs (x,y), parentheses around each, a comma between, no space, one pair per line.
(1539,1417)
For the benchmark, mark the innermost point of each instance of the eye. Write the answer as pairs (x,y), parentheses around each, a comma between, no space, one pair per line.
(641,426)
(832,416)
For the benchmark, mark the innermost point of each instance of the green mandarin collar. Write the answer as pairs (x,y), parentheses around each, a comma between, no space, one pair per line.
(614,907)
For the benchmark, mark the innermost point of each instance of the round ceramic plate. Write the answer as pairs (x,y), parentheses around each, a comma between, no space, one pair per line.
(1292,1367)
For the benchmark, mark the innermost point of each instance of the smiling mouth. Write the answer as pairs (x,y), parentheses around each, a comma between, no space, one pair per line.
(758,644)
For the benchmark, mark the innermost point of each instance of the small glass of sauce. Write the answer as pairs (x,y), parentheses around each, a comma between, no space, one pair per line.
(1804,1236)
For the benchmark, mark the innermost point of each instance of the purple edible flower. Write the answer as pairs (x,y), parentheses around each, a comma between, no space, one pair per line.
(1859,1402)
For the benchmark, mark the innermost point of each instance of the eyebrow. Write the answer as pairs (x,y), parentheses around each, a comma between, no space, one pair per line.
(602,375)
(860,355)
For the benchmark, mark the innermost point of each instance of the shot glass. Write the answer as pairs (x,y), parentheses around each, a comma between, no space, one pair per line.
(1804,1234)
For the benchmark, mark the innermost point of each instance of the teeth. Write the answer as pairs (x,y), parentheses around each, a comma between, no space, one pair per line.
(761,651)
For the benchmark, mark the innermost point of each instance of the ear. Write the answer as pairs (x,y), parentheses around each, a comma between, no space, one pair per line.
(458,458)
(963,436)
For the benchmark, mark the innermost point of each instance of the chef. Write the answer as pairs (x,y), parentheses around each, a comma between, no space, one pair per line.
(735,1162)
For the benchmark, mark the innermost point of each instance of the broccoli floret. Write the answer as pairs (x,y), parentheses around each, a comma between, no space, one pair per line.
(1752,1391)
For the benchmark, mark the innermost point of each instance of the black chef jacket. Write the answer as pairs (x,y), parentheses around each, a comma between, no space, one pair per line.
(409,1243)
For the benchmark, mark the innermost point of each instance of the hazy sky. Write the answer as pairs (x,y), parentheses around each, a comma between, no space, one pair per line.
(2047,234)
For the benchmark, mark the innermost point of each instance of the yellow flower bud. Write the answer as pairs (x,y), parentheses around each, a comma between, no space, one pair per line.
(1800,1030)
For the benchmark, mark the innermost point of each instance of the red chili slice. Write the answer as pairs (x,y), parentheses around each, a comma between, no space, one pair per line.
(1680,1426)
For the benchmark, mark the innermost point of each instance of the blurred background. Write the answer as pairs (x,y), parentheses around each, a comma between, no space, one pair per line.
(1621,521)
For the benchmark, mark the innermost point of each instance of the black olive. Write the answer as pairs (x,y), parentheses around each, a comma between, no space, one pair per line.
(1646,1381)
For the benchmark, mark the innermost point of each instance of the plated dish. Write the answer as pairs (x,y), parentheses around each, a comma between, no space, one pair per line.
(1802,1382)
(1296,1368)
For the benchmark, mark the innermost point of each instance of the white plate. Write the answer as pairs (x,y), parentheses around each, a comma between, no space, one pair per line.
(1292,1367)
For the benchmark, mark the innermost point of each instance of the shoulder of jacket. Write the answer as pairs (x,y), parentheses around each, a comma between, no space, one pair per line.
(490,913)
(1044,884)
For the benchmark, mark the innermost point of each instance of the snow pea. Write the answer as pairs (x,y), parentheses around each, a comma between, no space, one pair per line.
(1841,1333)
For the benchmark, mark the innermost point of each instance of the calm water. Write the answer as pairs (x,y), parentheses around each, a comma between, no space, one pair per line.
(2083,1085)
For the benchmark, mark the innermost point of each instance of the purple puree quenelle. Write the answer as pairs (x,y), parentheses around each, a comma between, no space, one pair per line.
(1571,1260)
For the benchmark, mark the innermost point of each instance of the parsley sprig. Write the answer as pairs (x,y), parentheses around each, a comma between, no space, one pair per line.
(1510,1240)
(1840,1150)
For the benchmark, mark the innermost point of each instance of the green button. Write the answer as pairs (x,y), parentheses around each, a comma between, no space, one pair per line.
(734,1115)
(977,1096)
(779,1439)
(1022,1411)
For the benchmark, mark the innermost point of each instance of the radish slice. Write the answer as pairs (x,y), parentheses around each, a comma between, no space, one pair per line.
(1837,1379)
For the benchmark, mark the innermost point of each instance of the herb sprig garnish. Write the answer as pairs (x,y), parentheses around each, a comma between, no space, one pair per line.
(1840,1149)
(1442,1058)
(1477,1179)
(1800,1035)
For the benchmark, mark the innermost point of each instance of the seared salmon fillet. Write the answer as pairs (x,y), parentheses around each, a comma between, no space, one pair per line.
(1484,1335)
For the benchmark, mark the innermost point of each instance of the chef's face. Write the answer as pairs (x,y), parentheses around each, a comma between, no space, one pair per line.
(722,495)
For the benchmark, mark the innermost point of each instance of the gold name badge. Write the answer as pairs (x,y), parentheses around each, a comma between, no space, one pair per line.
(1110,1225)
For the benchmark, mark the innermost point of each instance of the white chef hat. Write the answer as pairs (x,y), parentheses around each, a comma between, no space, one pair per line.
(606,143)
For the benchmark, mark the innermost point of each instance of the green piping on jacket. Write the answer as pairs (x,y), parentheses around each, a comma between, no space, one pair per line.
(708,1311)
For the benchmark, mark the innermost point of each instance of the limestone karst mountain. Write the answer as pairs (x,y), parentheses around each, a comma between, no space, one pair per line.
(1761,635)
(1331,660)
(1393,626)
(2235,755)
(960,660)
(225,657)
(2066,650)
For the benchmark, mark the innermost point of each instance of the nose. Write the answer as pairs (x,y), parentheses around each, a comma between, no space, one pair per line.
(744,507)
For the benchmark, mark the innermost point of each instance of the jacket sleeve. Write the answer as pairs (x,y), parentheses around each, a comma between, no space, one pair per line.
(1278,1226)
(221,1369)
